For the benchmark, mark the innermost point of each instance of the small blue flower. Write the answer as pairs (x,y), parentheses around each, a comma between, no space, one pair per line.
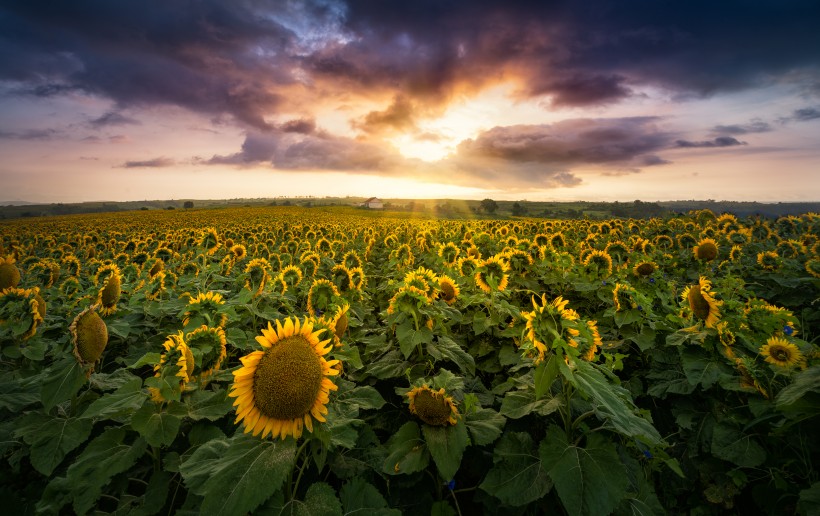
(451,485)
(603,282)
(640,308)
(788,330)
(651,280)
(647,454)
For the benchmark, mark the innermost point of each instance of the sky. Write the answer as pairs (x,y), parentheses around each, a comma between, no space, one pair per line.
(599,100)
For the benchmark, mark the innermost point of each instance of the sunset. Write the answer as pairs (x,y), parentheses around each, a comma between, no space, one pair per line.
(605,100)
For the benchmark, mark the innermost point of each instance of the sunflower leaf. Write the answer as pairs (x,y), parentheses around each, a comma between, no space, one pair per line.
(158,425)
(210,405)
(362,398)
(446,445)
(517,477)
(359,495)
(485,425)
(729,443)
(406,451)
(62,382)
(517,404)
(51,438)
(589,480)
(119,403)
(320,500)
(235,475)
(448,349)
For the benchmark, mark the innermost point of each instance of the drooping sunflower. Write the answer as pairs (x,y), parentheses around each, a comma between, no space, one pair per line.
(9,273)
(435,408)
(281,389)
(175,363)
(321,295)
(207,344)
(644,268)
(448,288)
(338,322)
(210,241)
(109,293)
(492,275)
(239,252)
(408,299)
(706,250)
(622,295)
(599,263)
(340,275)
(768,260)
(546,322)
(449,252)
(423,279)
(89,335)
(358,278)
(206,306)
(702,303)
(292,275)
(258,275)
(402,256)
(813,267)
(466,266)
(351,260)
(782,353)
(21,311)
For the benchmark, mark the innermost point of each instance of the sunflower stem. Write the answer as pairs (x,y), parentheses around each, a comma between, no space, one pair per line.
(291,486)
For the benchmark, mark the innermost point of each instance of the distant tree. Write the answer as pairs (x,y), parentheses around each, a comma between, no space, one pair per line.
(170,208)
(489,206)
(144,208)
(188,204)
(518,209)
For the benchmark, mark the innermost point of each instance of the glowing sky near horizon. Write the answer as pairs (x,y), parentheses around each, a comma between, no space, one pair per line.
(532,100)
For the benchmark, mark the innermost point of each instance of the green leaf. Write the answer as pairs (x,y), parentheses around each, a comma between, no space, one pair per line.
(236,475)
(803,382)
(809,502)
(157,424)
(155,494)
(442,508)
(151,358)
(51,438)
(19,393)
(119,403)
(700,368)
(446,445)
(450,350)
(410,338)
(62,382)
(589,480)
(359,495)
(485,425)
(320,500)
(406,452)
(729,443)
(104,457)
(517,404)
(362,398)
(544,375)
(517,477)
(210,405)
(614,403)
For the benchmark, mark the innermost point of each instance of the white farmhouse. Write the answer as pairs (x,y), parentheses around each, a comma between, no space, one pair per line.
(374,203)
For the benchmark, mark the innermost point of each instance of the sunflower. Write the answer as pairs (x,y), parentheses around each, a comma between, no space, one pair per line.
(545,323)
(109,294)
(492,275)
(768,260)
(622,296)
(703,305)
(357,278)
(782,353)
(206,306)
(281,389)
(310,264)
(176,362)
(449,253)
(351,260)
(210,240)
(154,267)
(321,295)
(340,275)
(643,269)
(706,250)
(813,267)
(9,273)
(403,256)
(466,266)
(89,336)
(239,252)
(208,347)
(338,322)
(433,407)
(449,289)
(598,262)
(408,299)
(423,279)
(735,253)
(70,287)
(21,310)
(257,271)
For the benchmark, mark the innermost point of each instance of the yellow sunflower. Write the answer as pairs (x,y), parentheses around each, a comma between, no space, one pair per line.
(257,271)
(408,299)
(207,306)
(208,346)
(492,275)
(768,260)
(449,253)
(598,262)
(9,273)
(449,289)
(338,322)
(813,267)
(109,294)
(706,250)
(23,308)
(782,353)
(622,296)
(176,361)
(89,336)
(321,295)
(283,388)
(292,275)
(435,408)
(643,269)
(703,305)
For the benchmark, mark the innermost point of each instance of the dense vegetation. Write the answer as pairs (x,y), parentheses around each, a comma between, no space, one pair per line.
(331,360)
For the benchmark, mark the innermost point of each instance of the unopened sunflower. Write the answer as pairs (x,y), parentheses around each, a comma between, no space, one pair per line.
(283,388)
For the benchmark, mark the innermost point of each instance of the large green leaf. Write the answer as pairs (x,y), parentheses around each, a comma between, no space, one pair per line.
(447,349)
(544,375)
(517,476)
(19,393)
(485,425)
(51,438)
(446,445)
(62,381)
(362,398)
(517,404)
(406,452)
(700,368)
(235,475)
(359,495)
(589,480)
(614,403)
(119,403)
(158,424)
(803,382)
(320,500)
(410,337)
(210,405)
(107,455)
(809,502)
(729,443)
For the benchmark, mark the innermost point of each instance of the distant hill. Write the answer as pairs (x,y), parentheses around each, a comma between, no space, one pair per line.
(16,203)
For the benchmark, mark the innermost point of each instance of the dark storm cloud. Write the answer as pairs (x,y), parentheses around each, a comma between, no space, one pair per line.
(720,141)
(160,162)
(755,126)
(112,118)
(241,58)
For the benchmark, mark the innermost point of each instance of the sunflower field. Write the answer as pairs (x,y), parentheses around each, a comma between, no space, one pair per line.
(333,361)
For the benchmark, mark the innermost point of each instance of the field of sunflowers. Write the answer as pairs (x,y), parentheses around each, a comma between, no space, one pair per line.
(333,361)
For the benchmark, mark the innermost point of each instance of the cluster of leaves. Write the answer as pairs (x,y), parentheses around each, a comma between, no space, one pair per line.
(581,378)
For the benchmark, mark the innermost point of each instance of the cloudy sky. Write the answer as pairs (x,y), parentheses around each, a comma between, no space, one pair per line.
(538,100)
